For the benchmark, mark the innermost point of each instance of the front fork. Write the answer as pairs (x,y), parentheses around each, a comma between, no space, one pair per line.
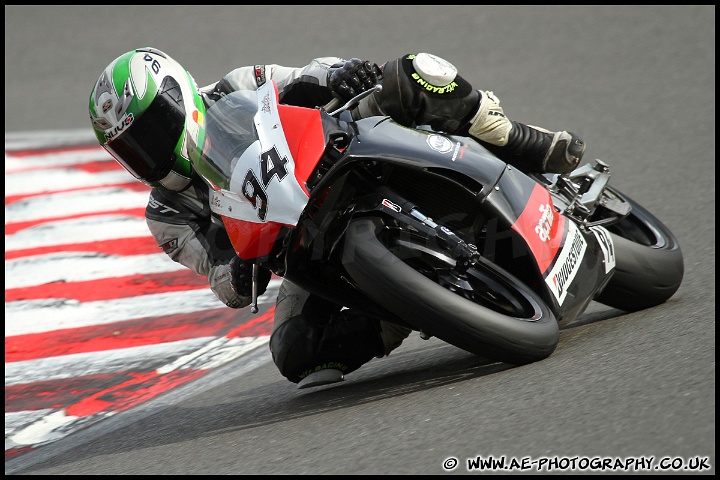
(465,254)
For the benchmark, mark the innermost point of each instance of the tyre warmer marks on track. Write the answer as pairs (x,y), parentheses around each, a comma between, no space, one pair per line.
(97,320)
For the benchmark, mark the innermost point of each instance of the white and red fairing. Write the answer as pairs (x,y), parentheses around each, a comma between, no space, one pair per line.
(268,183)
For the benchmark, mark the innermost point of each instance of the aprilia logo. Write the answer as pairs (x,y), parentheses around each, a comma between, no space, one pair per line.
(545,223)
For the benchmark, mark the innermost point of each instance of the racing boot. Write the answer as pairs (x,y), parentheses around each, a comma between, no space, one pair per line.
(365,344)
(529,148)
(391,336)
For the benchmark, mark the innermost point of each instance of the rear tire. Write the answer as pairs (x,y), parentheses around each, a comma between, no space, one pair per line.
(495,315)
(649,263)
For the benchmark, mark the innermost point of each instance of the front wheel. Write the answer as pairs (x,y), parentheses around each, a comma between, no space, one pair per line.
(487,311)
(648,261)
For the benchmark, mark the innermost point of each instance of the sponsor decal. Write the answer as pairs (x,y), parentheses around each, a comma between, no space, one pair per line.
(392,206)
(266,104)
(170,246)
(337,365)
(541,228)
(215,201)
(154,204)
(545,223)
(126,122)
(459,152)
(432,88)
(567,264)
(440,143)
(606,245)
(260,75)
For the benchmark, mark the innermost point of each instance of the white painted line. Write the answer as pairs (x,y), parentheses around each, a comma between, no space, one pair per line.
(39,181)
(16,420)
(63,204)
(216,353)
(25,317)
(82,266)
(145,358)
(78,230)
(49,139)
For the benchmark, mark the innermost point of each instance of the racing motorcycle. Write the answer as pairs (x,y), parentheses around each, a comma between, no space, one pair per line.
(427,230)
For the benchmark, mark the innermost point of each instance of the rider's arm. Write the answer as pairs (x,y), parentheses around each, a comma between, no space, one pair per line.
(183,227)
(303,86)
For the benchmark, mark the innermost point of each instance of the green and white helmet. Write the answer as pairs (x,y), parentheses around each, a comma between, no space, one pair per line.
(143,108)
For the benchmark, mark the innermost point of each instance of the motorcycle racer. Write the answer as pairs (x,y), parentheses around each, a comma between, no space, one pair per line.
(145,107)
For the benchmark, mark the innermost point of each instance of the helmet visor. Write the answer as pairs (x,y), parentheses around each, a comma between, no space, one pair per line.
(147,148)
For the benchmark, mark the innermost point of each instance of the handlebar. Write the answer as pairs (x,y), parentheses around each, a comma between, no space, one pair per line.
(333,106)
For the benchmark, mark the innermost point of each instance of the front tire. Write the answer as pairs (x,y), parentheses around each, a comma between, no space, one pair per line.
(493,315)
(649,263)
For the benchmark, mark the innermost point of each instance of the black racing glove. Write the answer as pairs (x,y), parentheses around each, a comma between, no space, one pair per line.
(241,281)
(353,77)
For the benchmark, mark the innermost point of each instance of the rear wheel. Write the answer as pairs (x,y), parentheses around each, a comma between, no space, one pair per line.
(486,311)
(649,263)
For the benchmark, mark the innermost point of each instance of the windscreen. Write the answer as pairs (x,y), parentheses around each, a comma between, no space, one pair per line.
(229,131)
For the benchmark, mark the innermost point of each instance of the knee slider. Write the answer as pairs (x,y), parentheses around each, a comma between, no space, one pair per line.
(411,98)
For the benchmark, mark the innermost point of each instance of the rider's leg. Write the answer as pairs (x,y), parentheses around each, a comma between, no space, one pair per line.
(311,335)
(527,147)
(410,98)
